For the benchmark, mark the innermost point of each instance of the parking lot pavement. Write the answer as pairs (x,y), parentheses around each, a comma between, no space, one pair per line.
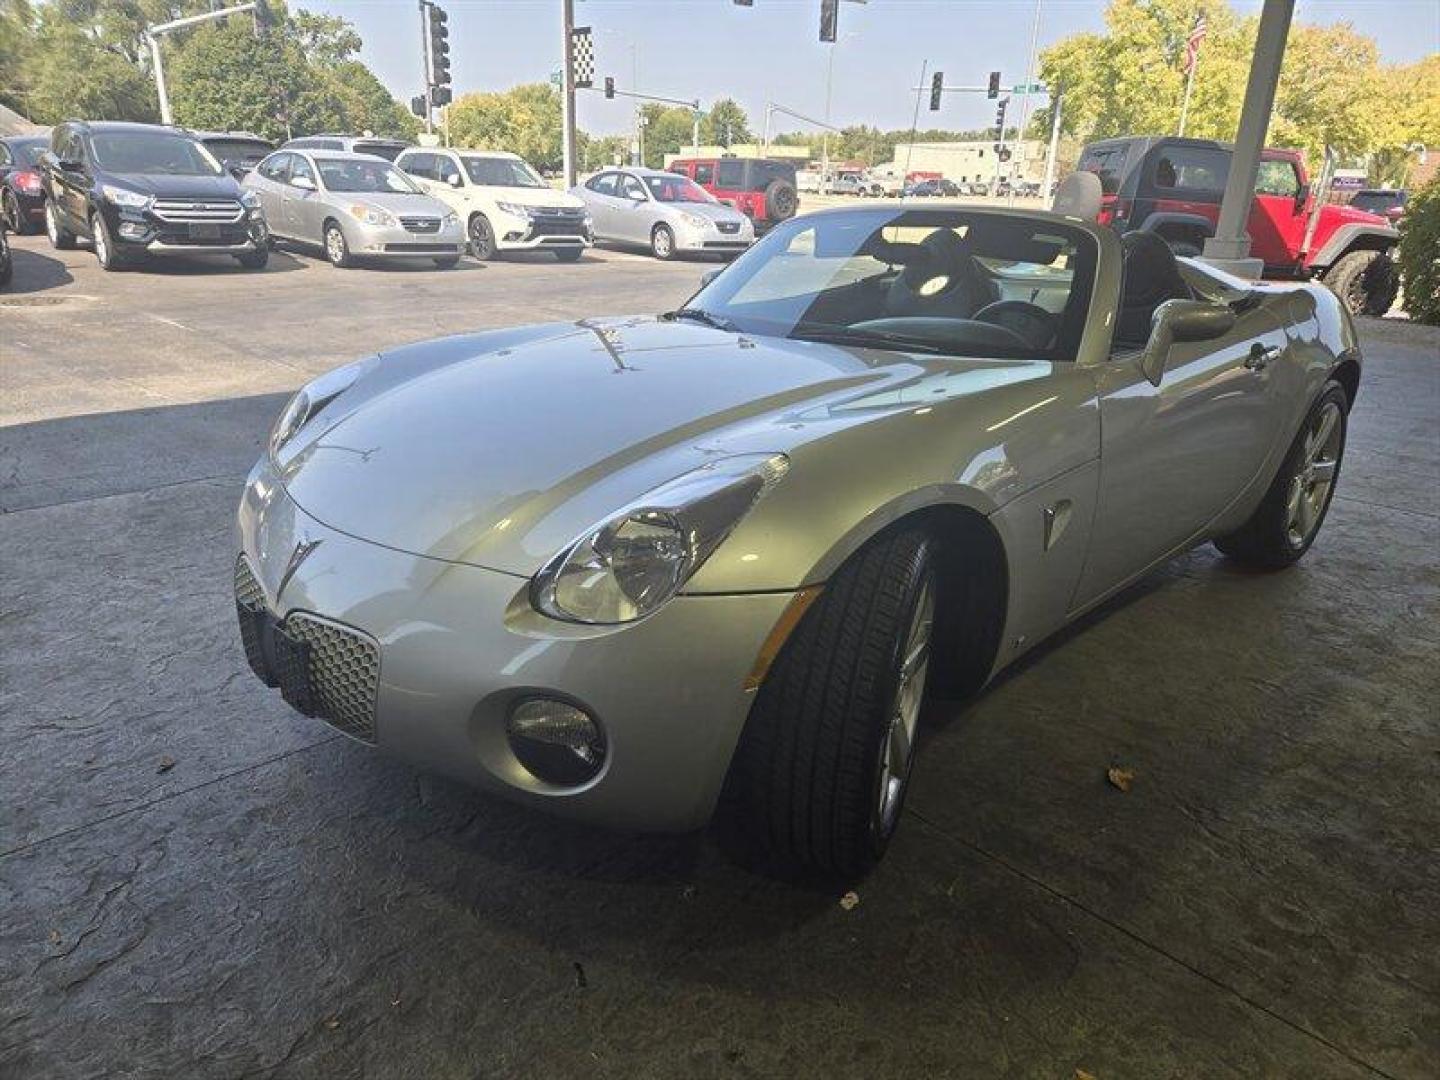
(197,882)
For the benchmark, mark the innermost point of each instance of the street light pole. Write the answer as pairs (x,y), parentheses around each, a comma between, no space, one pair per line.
(152,36)
(159,67)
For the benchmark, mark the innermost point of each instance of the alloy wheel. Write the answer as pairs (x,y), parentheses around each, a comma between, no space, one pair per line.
(663,243)
(482,243)
(898,750)
(102,242)
(334,245)
(1311,485)
(52,227)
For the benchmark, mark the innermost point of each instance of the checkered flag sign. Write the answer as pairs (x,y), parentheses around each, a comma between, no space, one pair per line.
(582,57)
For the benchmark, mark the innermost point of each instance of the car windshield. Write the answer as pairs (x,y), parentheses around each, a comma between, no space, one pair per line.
(237,149)
(949,282)
(28,152)
(1377,202)
(152,152)
(676,189)
(501,172)
(357,174)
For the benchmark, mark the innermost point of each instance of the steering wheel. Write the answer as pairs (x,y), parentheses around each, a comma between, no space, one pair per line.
(1038,327)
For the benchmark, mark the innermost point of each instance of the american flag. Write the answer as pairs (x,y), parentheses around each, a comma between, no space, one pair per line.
(1192,43)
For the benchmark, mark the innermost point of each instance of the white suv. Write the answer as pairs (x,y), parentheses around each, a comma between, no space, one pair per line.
(503,202)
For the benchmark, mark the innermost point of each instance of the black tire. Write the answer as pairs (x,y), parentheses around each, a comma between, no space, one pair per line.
(7,266)
(254,260)
(662,242)
(804,794)
(569,254)
(106,252)
(1366,282)
(482,239)
(1268,539)
(19,223)
(61,238)
(448,262)
(337,249)
(781,201)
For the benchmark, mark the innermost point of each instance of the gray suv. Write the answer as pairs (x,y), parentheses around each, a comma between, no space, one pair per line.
(389,149)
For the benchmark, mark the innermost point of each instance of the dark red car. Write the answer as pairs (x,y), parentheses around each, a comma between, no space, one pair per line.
(22,196)
(762,189)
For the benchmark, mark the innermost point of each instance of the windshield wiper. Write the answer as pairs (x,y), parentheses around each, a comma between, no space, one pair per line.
(844,335)
(709,318)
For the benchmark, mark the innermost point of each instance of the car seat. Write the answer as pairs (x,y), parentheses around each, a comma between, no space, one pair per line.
(1151,276)
(947,284)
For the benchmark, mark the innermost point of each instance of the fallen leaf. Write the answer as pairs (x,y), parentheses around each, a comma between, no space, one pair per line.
(166,764)
(55,938)
(1119,778)
(850,901)
(333,1023)
(1081,1074)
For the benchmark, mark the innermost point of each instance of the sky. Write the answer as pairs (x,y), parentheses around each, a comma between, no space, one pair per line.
(770,52)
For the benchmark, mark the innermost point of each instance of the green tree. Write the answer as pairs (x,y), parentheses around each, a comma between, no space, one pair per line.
(725,124)
(365,103)
(1419,243)
(69,73)
(226,78)
(668,130)
(524,119)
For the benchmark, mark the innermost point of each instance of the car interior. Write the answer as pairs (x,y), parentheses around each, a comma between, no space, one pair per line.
(1151,276)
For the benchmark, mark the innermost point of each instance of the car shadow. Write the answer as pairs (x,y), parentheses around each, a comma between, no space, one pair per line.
(35,272)
(205,265)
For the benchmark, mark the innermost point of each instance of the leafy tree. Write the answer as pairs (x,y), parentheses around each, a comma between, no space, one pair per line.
(668,130)
(226,78)
(324,39)
(365,104)
(524,119)
(68,73)
(725,124)
(1419,243)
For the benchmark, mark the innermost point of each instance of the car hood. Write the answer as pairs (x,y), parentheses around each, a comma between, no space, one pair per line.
(507,446)
(713,211)
(172,187)
(393,201)
(1348,215)
(529,196)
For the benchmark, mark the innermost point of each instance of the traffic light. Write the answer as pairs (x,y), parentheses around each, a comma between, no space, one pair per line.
(1000,117)
(417,105)
(829,19)
(609,87)
(439,23)
(993,90)
(937,87)
(440,95)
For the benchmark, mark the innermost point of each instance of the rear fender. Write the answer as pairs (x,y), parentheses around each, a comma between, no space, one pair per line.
(1353,237)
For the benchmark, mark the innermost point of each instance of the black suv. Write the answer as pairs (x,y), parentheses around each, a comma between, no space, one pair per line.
(136,190)
(237,151)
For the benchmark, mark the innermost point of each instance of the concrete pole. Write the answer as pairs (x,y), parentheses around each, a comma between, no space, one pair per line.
(159,65)
(1229,248)
(1057,102)
(568,94)
(429,66)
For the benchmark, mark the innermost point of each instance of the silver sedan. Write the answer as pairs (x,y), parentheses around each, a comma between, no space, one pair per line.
(644,571)
(664,212)
(354,206)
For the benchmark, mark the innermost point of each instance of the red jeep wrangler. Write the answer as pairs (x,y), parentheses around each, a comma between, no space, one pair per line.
(1173,187)
(760,188)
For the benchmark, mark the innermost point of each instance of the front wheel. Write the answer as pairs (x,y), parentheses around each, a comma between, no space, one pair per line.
(1366,282)
(337,250)
(105,252)
(482,239)
(61,238)
(19,223)
(1288,519)
(662,242)
(820,775)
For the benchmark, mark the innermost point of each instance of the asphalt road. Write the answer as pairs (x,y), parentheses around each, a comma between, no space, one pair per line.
(195,881)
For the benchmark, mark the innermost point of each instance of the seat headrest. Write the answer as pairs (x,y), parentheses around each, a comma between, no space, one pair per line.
(1079,195)
(1151,274)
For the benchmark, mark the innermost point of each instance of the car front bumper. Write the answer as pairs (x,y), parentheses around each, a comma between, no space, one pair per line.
(454,647)
(136,231)
(397,242)
(693,238)
(541,232)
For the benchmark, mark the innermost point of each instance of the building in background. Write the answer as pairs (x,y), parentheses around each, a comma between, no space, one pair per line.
(968,162)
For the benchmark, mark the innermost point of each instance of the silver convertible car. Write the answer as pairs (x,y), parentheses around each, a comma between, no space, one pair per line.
(664,212)
(709,564)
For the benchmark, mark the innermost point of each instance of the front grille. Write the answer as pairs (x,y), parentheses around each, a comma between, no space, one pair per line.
(727,245)
(214,211)
(323,669)
(424,249)
(568,227)
(421,224)
(344,673)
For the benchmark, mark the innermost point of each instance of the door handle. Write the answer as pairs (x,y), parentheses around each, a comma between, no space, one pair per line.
(1260,356)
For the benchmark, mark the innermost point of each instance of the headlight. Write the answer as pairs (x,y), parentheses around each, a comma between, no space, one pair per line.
(124,197)
(514,209)
(451,218)
(373,215)
(629,565)
(313,397)
(695,221)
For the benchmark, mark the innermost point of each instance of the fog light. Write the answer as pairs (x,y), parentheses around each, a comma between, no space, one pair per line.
(130,230)
(511,236)
(556,740)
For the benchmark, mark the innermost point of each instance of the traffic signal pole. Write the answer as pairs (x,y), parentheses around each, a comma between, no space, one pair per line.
(152,36)
(567,95)
(429,61)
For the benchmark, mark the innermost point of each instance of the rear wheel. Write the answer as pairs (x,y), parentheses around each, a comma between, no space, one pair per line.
(662,242)
(820,775)
(1365,281)
(19,223)
(780,201)
(61,238)
(1286,523)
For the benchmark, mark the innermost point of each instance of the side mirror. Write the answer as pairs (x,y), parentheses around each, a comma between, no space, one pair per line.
(1182,320)
(72,166)
(1302,197)
(709,276)
(453,180)
(304,183)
